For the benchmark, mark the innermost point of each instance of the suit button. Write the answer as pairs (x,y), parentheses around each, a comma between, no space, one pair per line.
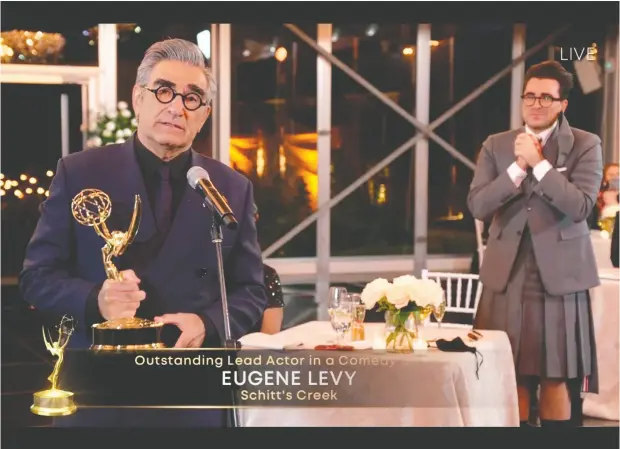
(519,233)
(529,209)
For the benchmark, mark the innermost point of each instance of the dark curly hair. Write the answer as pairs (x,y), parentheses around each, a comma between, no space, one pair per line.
(551,70)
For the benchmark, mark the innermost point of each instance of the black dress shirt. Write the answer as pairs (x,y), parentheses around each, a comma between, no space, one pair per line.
(149,165)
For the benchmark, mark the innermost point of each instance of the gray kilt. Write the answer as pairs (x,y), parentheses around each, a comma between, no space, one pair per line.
(552,337)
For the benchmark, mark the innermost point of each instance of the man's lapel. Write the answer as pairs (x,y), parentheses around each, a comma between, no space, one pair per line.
(566,140)
(550,150)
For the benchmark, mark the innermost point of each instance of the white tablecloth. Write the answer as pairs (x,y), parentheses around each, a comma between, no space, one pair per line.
(606,317)
(449,377)
(602,250)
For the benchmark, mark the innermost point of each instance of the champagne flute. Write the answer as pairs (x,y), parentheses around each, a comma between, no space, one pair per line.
(439,311)
(358,311)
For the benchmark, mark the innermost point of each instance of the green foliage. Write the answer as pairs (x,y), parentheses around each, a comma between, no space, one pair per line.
(401,314)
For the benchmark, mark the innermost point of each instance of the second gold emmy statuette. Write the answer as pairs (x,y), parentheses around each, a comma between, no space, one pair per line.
(92,207)
(56,402)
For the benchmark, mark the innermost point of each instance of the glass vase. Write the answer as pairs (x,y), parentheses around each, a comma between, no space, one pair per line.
(401,330)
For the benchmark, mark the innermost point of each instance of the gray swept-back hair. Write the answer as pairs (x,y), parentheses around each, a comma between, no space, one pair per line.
(175,50)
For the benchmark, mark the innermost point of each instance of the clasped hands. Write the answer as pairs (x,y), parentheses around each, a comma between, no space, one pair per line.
(121,299)
(528,151)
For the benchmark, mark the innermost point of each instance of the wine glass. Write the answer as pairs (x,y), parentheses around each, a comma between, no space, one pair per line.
(340,313)
(439,310)
(336,293)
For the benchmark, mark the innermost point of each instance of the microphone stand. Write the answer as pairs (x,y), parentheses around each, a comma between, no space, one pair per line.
(229,343)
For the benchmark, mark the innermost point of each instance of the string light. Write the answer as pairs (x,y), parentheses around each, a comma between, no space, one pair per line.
(47,193)
(281,54)
(2,192)
(30,188)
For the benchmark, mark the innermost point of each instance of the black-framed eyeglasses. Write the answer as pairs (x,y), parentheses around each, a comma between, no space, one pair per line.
(165,95)
(544,100)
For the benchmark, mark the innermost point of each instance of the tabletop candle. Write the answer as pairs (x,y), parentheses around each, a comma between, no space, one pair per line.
(419,344)
(357,332)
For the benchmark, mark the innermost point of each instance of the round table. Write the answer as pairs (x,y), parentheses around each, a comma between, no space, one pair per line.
(605,313)
(435,389)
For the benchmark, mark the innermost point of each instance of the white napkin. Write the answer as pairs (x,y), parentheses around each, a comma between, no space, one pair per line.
(259,340)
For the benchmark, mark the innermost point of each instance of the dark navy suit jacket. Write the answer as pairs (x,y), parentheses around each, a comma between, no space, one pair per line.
(63,261)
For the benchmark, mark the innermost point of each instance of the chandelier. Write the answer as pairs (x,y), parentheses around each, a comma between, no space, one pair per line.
(34,47)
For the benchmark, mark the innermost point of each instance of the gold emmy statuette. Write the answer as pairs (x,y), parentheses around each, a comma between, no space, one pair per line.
(92,207)
(56,402)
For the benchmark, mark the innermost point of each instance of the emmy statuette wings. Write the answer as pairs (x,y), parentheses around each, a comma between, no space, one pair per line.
(92,207)
(54,401)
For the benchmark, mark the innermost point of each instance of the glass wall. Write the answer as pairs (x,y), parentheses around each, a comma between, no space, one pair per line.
(273,129)
(376,219)
(462,59)
(273,122)
(274,99)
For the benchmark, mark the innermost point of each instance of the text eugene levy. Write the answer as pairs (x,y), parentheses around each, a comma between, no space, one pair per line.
(279,375)
(252,382)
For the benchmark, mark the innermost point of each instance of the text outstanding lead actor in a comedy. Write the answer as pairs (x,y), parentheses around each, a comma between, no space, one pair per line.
(538,185)
(170,270)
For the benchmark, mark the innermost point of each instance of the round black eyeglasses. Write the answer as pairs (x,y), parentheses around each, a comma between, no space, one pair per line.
(165,95)
(544,100)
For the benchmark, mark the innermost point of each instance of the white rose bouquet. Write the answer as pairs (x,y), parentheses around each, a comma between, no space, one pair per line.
(401,298)
(114,127)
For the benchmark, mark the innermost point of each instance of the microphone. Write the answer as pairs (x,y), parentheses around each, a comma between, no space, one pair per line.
(199,180)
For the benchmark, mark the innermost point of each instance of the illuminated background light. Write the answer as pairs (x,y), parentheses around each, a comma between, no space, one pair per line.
(281,54)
